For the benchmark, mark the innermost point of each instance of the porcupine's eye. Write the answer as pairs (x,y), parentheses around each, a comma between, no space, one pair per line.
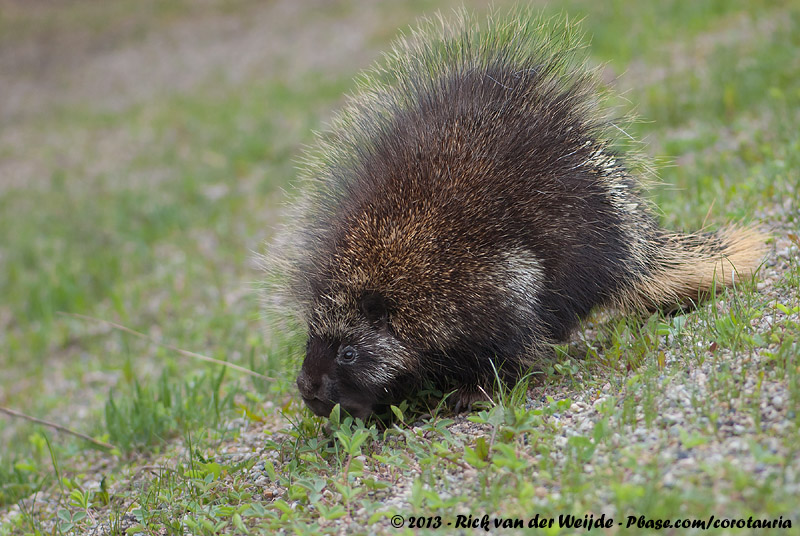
(347,354)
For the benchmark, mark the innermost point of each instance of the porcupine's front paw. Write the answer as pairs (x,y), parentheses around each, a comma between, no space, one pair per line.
(467,395)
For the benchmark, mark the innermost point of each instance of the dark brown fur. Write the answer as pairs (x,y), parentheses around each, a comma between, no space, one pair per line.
(466,210)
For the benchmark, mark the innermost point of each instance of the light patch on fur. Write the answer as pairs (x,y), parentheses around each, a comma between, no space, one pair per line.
(382,375)
(617,182)
(523,275)
(394,358)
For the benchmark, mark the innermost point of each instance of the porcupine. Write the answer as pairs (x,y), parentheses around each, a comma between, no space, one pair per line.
(470,205)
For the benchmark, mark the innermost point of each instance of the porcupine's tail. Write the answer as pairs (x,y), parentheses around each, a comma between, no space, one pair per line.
(683,268)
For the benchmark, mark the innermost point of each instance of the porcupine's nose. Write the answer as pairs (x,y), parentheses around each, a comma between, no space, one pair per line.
(311,391)
(308,387)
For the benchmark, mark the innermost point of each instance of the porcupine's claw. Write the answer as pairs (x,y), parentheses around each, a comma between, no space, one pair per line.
(467,395)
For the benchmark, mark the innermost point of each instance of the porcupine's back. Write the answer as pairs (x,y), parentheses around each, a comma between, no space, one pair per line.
(471,191)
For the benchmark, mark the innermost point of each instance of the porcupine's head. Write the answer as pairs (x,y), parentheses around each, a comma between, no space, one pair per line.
(353,358)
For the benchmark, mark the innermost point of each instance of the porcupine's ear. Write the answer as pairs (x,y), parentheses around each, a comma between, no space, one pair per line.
(374,308)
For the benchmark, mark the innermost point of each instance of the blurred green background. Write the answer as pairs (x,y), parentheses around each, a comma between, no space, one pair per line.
(144,146)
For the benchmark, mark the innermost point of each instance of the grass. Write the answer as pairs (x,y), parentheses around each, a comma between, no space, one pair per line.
(147,214)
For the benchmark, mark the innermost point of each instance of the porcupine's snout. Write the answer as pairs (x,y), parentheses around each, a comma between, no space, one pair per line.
(313,390)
